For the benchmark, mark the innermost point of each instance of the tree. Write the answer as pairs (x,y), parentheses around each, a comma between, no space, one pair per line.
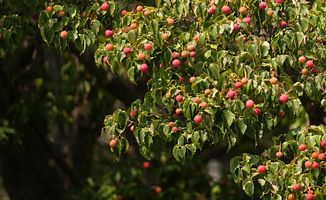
(217,73)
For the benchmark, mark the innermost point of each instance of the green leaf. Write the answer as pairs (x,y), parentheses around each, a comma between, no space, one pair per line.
(229,117)
(242,126)
(249,187)
(265,48)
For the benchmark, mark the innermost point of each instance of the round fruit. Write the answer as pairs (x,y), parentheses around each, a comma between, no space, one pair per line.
(273,80)
(109,47)
(262,5)
(236,27)
(158,189)
(147,12)
(113,143)
(176,63)
(133,26)
(279,1)
(192,54)
(314,155)
(304,71)
(146,164)
(291,197)
(283,24)
(315,165)
(250,104)
(108,33)
(169,21)
(261,169)
(165,36)
(203,105)
(148,46)
(175,129)
(126,51)
(175,54)
(310,196)
(192,79)
(270,12)
(105,6)
(257,111)
(302,59)
(246,20)
(238,84)
(48,9)
(310,63)
(141,56)
(178,111)
(179,98)
(191,47)
(283,99)
(302,147)
(124,12)
(243,10)
(184,54)
(231,94)
(279,154)
(144,68)
(211,10)
(226,10)
(171,124)
(181,79)
(296,187)
(321,156)
(105,59)
(139,8)
(61,13)
(198,119)
(308,164)
(133,113)
(197,100)
(244,81)
(64,34)
(323,143)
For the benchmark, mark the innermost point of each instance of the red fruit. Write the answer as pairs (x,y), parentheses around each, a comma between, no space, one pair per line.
(302,59)
(141,56)
(144,68)
(261,169)
(238,84)
(321,156)
(175,54)
(192,79)
(178,111)
(231,94)
(283,99)
(133,113)
(133,26)
(126,51)
(198,119)
(279,154)
(314,155)
(105,6)
(176,63)
(304,72)
(179,98)
(310,196)
(211,10)
(236,27)
(108,33)
(158,189)
(124,12)
(257,111)
(279,1)
(181,79)
(323,143)
(48,9)
(250,104)
(302,147)
(314,70)
(61,13)
(146,164)
(315,165)
(175,129)
(197,100)
(308,164)
(184,54)
(291,197)
(226,10)
(283,24)
(262,5)
(310,63)
(203,105)
(105,59)
(113,143)
(139,8)
(192,54)
(109,47)
(169,21)
(246,20)
(296,187)
(64,34)
(191,47)
(148,47)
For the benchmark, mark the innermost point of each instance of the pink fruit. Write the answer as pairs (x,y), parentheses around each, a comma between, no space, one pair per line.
(226,10)
(310,196)
(192,54)
(250,104)
(109,47)
(108,33)
(246,20)
(181,79)
(308,164)
(211,10)
(236,27)
(105,59)
(175,129)
(262,5)
(144,68)
(176,63)
(238,84)
(302,147)
(203,105)
(146,164)
(315,165)
(283,99)
(257,111)
(148,46)
(179,98)
(191,47)
(302,59)
(192,79)
(261,169)
(279,154)
(124,12)
(296,187)
(323,143)
(175,54)
(197,100)
(105,6)
(310,63)
(283,24)
(231,94)
(198,119)
(126,51)
(279,1)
